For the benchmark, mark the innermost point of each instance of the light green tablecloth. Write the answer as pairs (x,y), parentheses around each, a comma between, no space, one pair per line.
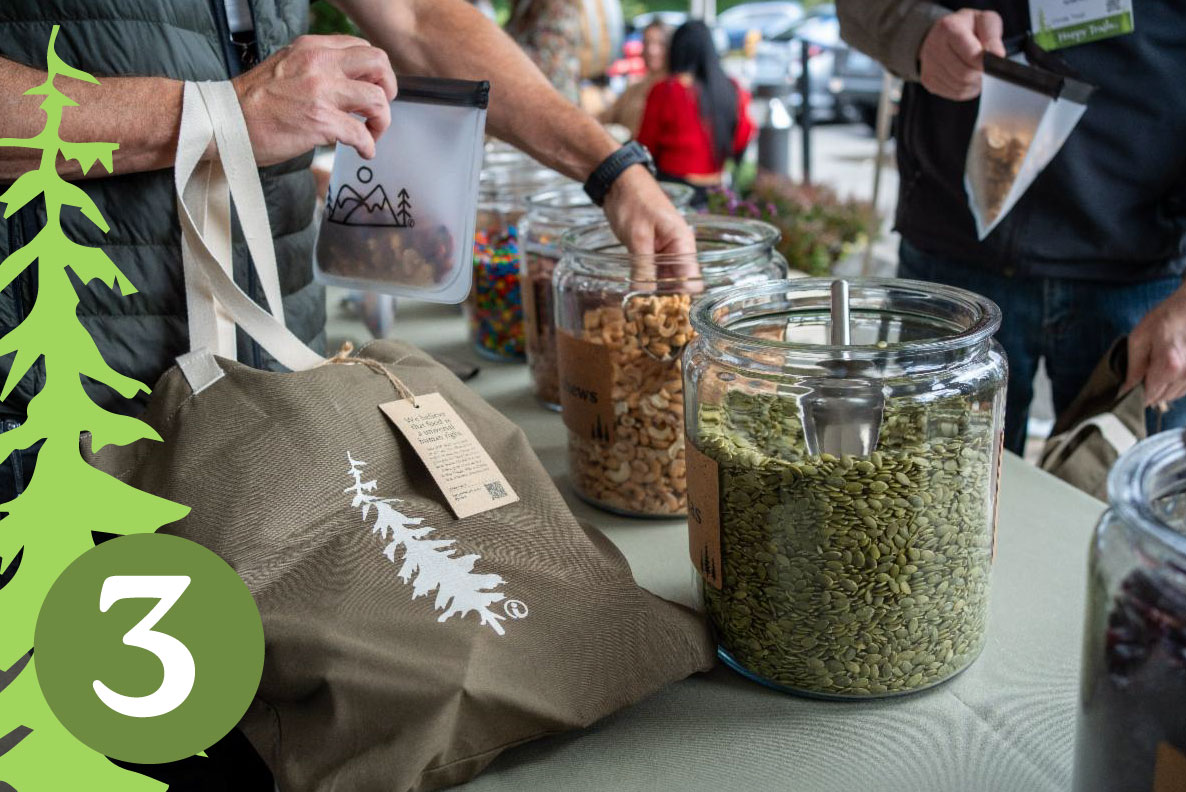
(1006,724)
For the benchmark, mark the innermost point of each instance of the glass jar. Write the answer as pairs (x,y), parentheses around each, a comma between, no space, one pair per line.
(833,574)
(495,304)
(619,345)
(1132,715)
(550,215)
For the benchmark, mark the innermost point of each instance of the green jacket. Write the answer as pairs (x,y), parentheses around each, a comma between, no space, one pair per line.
(140,335)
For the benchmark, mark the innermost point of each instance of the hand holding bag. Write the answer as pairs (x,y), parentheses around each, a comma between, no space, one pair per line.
(1100,425)
(406,648)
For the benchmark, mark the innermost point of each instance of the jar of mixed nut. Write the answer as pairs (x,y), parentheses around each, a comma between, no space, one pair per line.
(845,572)
(1132,731)
(622,325)
(495,304)
(550,214)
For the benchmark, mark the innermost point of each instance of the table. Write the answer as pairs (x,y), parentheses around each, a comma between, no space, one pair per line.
(1005,724)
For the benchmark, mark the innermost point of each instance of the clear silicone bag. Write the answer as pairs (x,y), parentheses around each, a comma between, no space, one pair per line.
(403,223)
(1026,115)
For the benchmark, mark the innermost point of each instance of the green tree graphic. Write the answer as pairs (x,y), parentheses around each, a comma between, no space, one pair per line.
(50,524)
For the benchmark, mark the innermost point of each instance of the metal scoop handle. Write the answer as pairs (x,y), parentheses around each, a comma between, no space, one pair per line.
(839,329)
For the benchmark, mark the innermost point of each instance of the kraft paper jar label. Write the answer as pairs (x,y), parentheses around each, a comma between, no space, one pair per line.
(466,474)
(704,514)
(1170,773)
(586,385)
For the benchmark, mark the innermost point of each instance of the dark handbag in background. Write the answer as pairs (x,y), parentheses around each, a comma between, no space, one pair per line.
(1099,426)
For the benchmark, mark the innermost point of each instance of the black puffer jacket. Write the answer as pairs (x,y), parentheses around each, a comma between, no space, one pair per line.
(140,335)
(1111,206)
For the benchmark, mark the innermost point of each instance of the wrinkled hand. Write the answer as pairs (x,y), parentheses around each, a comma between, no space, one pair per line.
(305,94)
(646,222)
(1157,351)
(951,56)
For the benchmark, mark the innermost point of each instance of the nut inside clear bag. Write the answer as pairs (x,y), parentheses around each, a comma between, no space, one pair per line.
(403,222)
(1026,114)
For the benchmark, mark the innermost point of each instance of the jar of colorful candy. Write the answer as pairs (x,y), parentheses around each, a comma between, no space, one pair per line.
(496,300)
(550,214)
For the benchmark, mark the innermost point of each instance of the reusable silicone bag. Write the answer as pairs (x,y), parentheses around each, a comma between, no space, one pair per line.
(403,223)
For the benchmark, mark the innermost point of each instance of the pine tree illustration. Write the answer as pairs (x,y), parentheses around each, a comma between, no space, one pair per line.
(50,523)
(428,564)
(404,215)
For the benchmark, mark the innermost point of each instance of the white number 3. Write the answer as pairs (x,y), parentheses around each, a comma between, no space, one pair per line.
(176,659)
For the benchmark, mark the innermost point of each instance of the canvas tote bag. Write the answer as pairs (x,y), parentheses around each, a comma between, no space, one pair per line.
(1099,426)
(406,648)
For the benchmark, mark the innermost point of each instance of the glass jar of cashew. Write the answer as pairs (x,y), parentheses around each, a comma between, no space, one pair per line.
(550,214)
(622,325)
(842,498)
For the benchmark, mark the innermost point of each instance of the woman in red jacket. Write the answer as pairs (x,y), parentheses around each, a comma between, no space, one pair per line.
(697,119)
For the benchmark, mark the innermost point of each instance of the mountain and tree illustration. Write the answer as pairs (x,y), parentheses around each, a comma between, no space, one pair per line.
(351,207)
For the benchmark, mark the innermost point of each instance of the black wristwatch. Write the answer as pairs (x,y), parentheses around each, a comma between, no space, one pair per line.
(605,174)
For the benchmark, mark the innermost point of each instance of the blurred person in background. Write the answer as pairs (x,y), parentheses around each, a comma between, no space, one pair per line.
(549,31)
(1096,248)
(697,119)
(629,107)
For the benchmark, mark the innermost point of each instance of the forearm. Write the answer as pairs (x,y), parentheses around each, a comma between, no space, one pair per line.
(450,38)
(141,114)
(891,31)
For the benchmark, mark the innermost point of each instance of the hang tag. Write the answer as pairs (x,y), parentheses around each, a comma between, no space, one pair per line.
(704,513)
(1068,23)
(466,474)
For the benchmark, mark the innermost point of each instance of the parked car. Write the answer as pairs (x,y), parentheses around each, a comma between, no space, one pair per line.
(845,83)
(770,18)
(672,19)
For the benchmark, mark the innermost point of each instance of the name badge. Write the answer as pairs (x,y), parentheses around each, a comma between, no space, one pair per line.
(1068,23)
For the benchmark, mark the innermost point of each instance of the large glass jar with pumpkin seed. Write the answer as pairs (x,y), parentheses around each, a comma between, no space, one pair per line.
(622,325)
(842,498)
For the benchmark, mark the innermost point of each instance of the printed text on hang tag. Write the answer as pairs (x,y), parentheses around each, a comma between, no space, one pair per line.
(467,476)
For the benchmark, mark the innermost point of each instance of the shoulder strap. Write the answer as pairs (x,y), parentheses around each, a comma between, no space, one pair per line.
(214,301)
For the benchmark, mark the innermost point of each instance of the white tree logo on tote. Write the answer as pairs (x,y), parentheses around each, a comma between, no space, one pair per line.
(430,564)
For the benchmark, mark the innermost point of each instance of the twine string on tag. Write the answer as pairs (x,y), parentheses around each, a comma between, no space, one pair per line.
(343,357)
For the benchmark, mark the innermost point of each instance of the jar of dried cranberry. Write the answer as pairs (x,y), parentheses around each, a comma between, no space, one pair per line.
(1132,715)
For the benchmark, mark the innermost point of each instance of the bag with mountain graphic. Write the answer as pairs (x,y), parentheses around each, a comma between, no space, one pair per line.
(403,222)
(406,646)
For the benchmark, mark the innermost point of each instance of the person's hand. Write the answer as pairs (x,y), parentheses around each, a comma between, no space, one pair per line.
(305,94)
(643,218)
(1157,351)
(951,58)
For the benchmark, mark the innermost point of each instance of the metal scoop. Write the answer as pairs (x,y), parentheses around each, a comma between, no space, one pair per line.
(841,414)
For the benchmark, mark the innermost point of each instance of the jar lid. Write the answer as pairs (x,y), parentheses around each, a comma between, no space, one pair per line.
(887,316)
(1147,489)
(517,180)
(723,244)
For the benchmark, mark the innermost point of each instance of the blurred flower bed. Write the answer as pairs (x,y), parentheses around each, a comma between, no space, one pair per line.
(818,227)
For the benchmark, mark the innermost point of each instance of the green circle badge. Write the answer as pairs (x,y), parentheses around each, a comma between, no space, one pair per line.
(149,648)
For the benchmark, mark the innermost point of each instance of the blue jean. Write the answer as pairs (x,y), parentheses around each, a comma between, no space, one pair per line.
(1070,324)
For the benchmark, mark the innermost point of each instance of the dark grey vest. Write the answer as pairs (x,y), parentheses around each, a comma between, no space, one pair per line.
(140,335)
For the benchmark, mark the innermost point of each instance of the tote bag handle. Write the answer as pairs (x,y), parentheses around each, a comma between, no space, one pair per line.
(215,303)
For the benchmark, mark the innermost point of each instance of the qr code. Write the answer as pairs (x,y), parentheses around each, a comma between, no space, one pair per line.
(496,490)
(1113,5)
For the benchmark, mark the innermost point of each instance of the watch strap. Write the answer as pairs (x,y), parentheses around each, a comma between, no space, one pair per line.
(598,184)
